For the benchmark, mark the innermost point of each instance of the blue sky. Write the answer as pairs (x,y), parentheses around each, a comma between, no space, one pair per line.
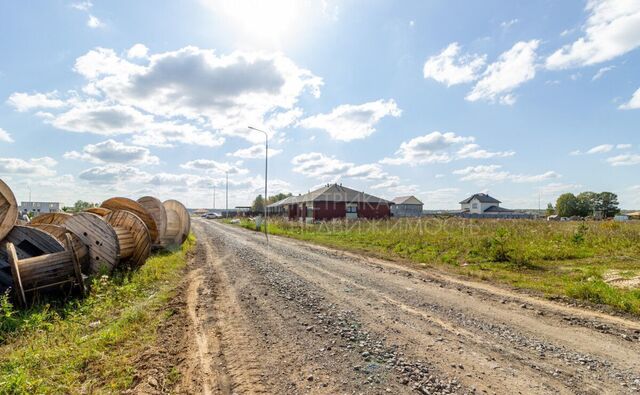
(441,99)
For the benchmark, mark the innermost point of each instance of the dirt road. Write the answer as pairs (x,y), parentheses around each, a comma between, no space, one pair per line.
(306,319)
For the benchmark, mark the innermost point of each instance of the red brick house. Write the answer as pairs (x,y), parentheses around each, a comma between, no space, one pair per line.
(330,202)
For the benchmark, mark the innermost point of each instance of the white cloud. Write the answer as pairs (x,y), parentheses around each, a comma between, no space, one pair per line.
(612,29)
(624,160)
(93,22)
(112,173)
(329,168)
(5,136)
(513,68)
(436,147)
(82,5)
(111,151)
(484,174)
(451,68)
(475,152)
(189,88)
(37,167)
(254,152)
(598,149)
(556,188)
(601,149)
(25,102)
(350,122)
(507,24)
(602,71)
(138,51)
(214,167)
(633,103)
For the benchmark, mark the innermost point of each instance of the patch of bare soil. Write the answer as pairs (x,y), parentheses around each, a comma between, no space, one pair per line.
(616,279)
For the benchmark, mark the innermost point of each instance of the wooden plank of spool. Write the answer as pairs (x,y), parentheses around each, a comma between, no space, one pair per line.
(28,242)
(45,271)
(156,209)
(99,211)
(51,218)
(121,203)
(99,237)
(8,209)
(178,223)
(60,232)
(133,237)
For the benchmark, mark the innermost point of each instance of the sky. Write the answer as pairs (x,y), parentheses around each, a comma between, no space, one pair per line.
(524,100)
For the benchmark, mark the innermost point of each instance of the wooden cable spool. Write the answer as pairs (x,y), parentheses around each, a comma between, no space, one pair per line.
(133,237)
(178,223)
(99,237)
(28,242)
(60,233)
(8,210)
(157,211)
(47,271)
(100,211)
(121,203)
(51,218)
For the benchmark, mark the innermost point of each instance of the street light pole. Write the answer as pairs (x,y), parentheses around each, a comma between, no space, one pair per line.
(266,169)
(226,197)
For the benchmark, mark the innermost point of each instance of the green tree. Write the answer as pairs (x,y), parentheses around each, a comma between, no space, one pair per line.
(79,206)
(258,204)
(278,197)
(567,205)
(586,203)
(607,204)
(550,210)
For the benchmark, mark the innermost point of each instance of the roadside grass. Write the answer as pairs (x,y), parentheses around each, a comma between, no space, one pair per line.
(554,258)
(88,345)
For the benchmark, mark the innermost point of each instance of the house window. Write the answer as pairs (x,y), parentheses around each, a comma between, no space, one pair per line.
(474,205)
(352,208)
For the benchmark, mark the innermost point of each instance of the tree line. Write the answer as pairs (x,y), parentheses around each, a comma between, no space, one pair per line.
(258,202)
(585,204)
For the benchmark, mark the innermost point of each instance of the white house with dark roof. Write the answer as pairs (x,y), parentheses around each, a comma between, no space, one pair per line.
(406,206)
(479,203)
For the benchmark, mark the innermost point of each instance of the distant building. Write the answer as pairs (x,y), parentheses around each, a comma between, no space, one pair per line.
(330,202)
(406,206)
(39,207)
(481,205)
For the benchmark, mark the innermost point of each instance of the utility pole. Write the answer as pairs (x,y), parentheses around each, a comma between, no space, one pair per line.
(226,210)
(266,168)
(214,197)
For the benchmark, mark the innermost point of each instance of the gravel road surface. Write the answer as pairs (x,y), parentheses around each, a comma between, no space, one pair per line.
(296,318)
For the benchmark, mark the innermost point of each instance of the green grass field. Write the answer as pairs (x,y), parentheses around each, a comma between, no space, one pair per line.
(88,345)
(554,258)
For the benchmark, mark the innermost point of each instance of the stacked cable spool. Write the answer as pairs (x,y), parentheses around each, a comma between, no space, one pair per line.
(58,251)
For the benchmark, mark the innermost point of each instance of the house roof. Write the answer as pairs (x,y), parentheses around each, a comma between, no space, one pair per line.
(331,193)
(482,198)
(496,209)
(407,200)
(339,193)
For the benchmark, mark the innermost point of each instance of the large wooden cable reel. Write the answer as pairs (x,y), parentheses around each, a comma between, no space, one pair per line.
(51,219)
(134,239)
(43,272)
(157,211)
(100,238)
(121,203)
(178,223)
(8,209)
(29,242)
(60,232)
(99,211)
